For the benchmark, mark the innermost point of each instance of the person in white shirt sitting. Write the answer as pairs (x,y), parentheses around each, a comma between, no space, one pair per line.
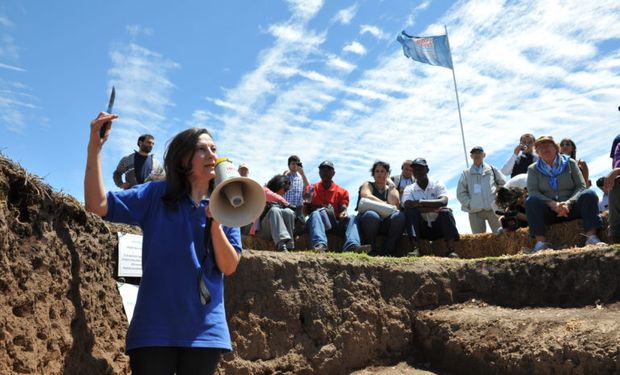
(426,211)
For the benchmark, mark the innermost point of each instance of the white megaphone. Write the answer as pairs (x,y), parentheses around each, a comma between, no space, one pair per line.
(236,201)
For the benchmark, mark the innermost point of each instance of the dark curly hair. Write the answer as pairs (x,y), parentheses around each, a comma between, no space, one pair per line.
(278,182)
(379,163)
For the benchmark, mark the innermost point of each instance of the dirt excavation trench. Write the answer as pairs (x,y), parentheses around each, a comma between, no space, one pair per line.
(557,312)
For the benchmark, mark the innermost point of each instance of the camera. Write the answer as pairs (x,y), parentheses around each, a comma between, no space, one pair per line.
(300,164)
(523,146)
(509,220)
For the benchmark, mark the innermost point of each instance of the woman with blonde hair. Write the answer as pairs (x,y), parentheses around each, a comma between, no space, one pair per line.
(557,192)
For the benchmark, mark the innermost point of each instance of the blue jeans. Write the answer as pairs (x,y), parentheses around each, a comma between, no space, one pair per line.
(586,208)
(371,225)
(346,228)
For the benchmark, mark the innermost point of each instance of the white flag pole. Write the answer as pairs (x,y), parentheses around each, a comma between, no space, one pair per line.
(458,104)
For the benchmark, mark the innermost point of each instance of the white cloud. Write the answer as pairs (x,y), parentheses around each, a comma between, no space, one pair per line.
(228,105)
(345,15)
(137,30)
(11,67)
(8,49)
(143,94)
(414,14)
(339,64)
(356,48)
(374,31)
(305,9)
(17,104)
(423,5)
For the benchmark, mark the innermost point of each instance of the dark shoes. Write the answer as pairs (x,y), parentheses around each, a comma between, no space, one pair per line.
(284,245)
(321,248)
(362,249)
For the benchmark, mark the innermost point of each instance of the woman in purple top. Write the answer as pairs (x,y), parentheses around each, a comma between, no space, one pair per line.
(612,187)
(179,323)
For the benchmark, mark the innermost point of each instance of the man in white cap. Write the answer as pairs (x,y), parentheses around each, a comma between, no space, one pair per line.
(243,170)
(477,190)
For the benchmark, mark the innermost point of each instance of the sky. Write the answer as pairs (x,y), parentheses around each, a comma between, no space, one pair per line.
(325,80)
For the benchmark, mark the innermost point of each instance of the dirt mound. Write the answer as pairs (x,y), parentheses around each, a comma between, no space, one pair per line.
(305,313)
(60,309)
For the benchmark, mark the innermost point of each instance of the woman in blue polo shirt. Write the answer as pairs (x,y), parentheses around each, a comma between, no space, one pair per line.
(179,323)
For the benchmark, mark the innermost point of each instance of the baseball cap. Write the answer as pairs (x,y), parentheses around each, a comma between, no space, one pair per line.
(326,163)
(419,161)
(476,149)
(243,165)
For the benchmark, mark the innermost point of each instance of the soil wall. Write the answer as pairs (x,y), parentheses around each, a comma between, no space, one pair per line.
(302,313)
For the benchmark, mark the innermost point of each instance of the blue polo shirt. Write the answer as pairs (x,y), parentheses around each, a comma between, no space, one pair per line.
(168,311)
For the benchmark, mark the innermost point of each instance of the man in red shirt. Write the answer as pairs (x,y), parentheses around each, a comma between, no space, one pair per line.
(326,204)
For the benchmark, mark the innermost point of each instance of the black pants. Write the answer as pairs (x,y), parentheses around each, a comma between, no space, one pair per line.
(443,227)
(168,360)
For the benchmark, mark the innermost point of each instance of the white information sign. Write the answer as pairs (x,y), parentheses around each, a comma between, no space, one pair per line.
(129,294)
(129,255)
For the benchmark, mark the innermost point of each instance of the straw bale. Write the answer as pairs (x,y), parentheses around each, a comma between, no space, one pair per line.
(561,235)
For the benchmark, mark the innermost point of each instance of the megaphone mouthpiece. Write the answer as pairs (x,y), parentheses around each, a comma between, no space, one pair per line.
(234,193)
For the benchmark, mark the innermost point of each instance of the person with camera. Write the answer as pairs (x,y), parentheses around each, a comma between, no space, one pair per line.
(476,190)
(557,192)
(371,223)
(140,166)
(427,215)
(278,218)
(512,201)
(522,157)
(179,321)
(326,205)
(298,183)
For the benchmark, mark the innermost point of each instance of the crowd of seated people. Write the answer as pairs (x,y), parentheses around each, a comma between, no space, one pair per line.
(547,185)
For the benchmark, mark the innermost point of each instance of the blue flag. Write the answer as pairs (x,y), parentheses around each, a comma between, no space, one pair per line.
(432,50)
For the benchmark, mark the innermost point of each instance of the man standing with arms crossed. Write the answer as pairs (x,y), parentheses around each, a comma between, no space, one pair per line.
(140,166)
(477,190)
